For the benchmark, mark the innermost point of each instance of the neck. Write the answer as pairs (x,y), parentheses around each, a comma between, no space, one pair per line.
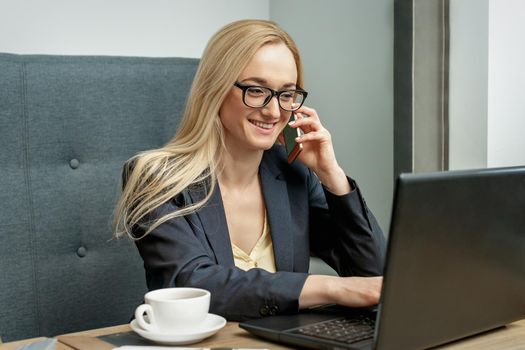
(239,168)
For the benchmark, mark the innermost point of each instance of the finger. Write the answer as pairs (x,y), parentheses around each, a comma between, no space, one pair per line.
(308,112)
(313,136)
(311,123)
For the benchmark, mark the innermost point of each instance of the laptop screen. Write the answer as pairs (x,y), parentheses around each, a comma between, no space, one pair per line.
(456,257)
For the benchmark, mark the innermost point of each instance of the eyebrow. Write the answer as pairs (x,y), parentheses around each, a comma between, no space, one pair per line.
(263,82)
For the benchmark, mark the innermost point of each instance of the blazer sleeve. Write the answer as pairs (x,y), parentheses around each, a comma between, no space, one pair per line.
(176,254)
(343,231)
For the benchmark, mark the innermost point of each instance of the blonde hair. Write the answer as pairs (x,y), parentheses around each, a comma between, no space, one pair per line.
(192,156)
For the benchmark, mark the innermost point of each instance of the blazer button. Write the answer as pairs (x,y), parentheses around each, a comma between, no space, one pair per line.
(81,252)
(265,310)
(274,309)
(74,163)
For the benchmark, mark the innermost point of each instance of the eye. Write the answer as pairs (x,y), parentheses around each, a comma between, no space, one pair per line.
(287,95)
(256,91)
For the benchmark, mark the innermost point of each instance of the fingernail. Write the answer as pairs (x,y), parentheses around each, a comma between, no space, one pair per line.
(292,122)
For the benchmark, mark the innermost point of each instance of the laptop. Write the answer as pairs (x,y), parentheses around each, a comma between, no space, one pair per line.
(455,267)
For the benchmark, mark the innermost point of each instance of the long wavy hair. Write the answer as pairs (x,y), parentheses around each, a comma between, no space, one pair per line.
(192,156)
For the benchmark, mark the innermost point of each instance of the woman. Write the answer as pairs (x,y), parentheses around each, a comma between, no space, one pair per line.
(220,208)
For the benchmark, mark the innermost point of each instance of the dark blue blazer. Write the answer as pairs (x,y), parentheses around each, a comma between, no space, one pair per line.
(304,219)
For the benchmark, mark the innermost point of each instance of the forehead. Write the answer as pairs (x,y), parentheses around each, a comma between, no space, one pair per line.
(273,63)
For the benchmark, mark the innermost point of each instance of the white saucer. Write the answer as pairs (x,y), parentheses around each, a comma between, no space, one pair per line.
(209,326)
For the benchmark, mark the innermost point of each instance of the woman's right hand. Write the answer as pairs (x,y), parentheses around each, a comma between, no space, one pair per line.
(347,291)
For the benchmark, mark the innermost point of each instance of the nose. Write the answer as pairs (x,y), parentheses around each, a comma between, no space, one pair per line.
(272,109)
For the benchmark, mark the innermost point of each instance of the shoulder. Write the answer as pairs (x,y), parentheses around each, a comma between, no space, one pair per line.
(136,172)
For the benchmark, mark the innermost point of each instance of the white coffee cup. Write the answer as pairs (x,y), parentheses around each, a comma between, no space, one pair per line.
(173,310)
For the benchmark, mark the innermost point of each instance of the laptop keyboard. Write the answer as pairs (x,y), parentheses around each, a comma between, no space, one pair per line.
(346,330)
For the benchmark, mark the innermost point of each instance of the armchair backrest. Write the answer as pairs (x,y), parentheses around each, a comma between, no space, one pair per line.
(67,125)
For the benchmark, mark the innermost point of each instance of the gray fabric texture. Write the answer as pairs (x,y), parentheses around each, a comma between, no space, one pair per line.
(67,125)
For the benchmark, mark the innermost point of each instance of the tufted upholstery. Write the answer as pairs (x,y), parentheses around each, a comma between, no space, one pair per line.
(67,124)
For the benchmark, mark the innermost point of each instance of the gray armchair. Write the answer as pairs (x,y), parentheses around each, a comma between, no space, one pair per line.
(67,125)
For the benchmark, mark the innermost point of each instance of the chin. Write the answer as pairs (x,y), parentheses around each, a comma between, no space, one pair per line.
(264,146)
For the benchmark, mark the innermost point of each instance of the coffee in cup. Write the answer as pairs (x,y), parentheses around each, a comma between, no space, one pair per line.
(173,310)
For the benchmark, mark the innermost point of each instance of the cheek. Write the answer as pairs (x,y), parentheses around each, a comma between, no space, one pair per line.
(231,108)
(227,109)
(285,117)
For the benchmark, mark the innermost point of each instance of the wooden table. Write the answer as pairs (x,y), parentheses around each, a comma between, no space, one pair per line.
(511,337)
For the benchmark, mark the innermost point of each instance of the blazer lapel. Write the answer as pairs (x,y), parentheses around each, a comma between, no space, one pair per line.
(215,227)
(275,194)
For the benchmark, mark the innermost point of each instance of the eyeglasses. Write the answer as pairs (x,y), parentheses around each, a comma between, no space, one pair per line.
(259,96)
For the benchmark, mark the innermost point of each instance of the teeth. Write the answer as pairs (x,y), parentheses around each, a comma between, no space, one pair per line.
(261,124)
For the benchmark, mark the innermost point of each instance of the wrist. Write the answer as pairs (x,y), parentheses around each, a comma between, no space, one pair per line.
(318,290)
(332,289)
(335,180)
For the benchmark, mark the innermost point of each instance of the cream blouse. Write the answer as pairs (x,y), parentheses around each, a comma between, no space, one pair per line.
(261,255)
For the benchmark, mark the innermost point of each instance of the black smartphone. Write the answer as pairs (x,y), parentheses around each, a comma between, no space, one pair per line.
(292,147)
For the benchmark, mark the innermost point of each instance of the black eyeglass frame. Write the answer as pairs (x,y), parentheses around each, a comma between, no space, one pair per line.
(244,88)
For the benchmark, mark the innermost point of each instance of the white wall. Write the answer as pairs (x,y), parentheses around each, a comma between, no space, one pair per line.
(347,52)
(347,49)
(487,83)
(506,88)
(468,84)
(118,27)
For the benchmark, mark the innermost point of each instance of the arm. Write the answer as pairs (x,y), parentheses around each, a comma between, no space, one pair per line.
(344,233)
(177,254)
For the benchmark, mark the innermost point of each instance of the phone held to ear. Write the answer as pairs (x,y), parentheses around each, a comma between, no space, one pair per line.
(292,147)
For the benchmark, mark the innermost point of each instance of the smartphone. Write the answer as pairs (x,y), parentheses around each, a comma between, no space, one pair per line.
(289,134)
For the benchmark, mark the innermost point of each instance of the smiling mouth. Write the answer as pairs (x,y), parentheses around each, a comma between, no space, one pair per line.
(262,125)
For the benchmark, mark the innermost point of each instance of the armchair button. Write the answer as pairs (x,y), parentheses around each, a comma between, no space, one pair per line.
(74,163)
(81,252)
